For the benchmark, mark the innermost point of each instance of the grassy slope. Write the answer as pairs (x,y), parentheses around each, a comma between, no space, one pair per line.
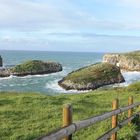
(92,73)
(27,116)
(135,56)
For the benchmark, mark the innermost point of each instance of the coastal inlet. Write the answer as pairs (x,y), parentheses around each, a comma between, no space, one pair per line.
(48,83)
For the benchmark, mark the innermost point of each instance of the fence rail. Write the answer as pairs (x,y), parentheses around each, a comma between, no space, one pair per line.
(69,128)
(108,134)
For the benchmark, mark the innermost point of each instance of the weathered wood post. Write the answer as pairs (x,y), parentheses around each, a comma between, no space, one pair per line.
(130,111)
(67,118)
(115,106)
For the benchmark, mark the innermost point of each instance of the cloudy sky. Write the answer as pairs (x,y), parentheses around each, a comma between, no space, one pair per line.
(70,25)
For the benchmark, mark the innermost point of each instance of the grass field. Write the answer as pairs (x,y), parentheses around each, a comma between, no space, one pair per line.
(25,116)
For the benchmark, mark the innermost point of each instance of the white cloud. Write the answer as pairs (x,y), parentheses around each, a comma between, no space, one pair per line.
(20,14)
(131,3)
(38,22)
(28,15)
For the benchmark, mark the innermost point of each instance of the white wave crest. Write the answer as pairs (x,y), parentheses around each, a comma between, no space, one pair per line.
(129,77)
(53,85)
(9,77)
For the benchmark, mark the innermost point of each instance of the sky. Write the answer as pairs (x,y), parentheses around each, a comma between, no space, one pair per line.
(70,25)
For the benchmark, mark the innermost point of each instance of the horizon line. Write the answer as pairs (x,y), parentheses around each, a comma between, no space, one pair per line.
(67,51)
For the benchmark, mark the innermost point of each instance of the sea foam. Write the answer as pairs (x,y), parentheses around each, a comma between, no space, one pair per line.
(53,85)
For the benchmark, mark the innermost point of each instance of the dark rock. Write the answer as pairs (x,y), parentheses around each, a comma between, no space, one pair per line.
(1,62)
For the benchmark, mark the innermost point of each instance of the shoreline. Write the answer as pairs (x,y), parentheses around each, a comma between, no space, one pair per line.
(48,83)
(58,90)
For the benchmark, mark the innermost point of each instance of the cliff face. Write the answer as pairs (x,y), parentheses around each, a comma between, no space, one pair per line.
(92,77)
(126,61)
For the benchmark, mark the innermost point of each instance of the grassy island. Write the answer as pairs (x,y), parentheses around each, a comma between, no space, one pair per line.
(92,77)
(33,67)
(94,72)
(29,66)
(25,116)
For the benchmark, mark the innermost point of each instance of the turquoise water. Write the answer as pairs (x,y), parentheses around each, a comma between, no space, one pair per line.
(44,83)
(48,83)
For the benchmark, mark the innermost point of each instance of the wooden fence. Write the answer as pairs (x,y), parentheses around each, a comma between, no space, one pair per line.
(70,128)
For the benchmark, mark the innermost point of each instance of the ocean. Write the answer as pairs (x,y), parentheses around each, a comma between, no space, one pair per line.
(48,83)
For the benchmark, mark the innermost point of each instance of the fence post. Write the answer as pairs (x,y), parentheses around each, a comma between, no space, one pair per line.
(130,111)
(115,105)
(67,118)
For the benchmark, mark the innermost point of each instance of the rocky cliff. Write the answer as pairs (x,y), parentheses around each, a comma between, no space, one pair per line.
(92,77)
(126,61)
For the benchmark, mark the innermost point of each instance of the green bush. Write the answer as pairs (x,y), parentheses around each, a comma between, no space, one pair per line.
(32,66)
(134,87)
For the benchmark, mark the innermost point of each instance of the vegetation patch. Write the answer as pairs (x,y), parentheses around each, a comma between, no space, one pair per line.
(30,66)
(133,55)
(25,116)
(92,77)
(36,67)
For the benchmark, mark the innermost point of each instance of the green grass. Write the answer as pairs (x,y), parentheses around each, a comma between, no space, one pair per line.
(25,116)
(130,56)
(29,66)
(135,56)
(98,71)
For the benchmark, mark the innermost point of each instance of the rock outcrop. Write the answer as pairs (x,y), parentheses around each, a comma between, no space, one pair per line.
(92,77)
(126,61)
(32,67)
(1,62)
(4,72)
